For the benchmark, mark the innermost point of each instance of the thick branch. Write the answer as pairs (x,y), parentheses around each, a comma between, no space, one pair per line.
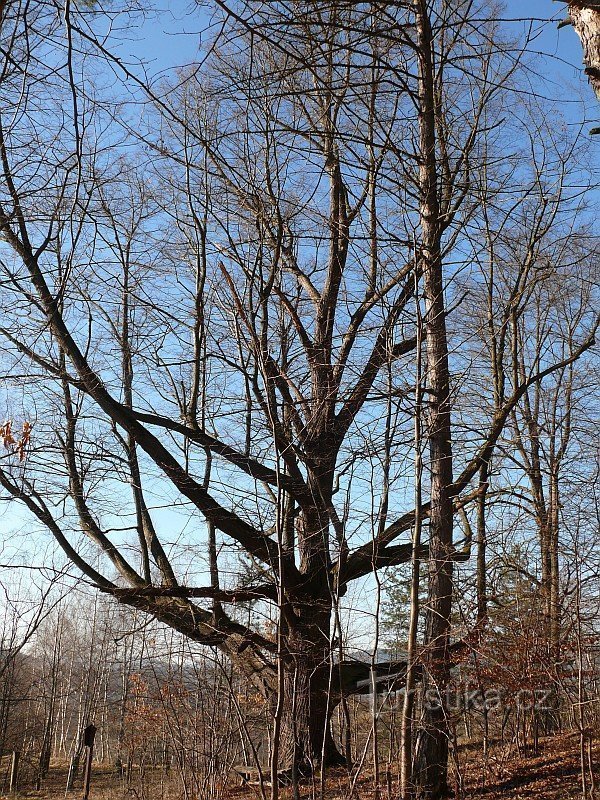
(249,465)
(37,507)
(245,595)
(227,521)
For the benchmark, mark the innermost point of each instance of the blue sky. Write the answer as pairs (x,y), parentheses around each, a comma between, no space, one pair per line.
(174,37)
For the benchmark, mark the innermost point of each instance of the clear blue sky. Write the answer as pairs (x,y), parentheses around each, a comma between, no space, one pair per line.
(174,37)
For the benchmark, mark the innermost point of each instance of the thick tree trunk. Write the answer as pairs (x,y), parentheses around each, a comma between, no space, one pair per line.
(431,772)
(306,615)
(406,730)
(586,21)
(306,739)
(554,604)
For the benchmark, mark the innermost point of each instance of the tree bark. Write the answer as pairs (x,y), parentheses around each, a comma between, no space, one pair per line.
(586,21)
(431,764)
(406,731)
(308,703)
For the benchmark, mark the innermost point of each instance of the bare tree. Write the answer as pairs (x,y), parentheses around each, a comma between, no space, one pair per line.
(205,326)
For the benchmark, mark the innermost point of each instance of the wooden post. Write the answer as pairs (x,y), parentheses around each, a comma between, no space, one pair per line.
(13,783)
(88,741)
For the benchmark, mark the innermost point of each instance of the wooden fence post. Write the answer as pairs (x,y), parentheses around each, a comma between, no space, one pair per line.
(13,783)
(88,741)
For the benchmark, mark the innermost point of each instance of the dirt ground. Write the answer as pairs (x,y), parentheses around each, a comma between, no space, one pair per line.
(552,774)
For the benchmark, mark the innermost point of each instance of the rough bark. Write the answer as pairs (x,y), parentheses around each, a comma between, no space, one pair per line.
(586,21)
(306,620)
(431,773)
(308,703)
(406,737)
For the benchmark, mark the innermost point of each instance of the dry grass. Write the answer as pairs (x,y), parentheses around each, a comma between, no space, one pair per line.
(553,774)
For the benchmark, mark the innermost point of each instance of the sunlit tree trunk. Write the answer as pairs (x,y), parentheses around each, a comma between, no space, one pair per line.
(432,746)
(585,15)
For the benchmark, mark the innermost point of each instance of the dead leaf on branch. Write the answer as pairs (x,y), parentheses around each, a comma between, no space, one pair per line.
(18,446)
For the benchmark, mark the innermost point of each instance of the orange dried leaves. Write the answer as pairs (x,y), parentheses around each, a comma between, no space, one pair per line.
(18,446)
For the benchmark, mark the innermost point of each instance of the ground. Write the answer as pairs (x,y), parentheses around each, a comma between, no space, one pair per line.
(552,774)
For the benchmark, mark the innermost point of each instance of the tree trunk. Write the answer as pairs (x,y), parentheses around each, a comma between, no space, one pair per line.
(406,730)
(306,617)
(554,610)
(306,739)
(431,772)
(586,21)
